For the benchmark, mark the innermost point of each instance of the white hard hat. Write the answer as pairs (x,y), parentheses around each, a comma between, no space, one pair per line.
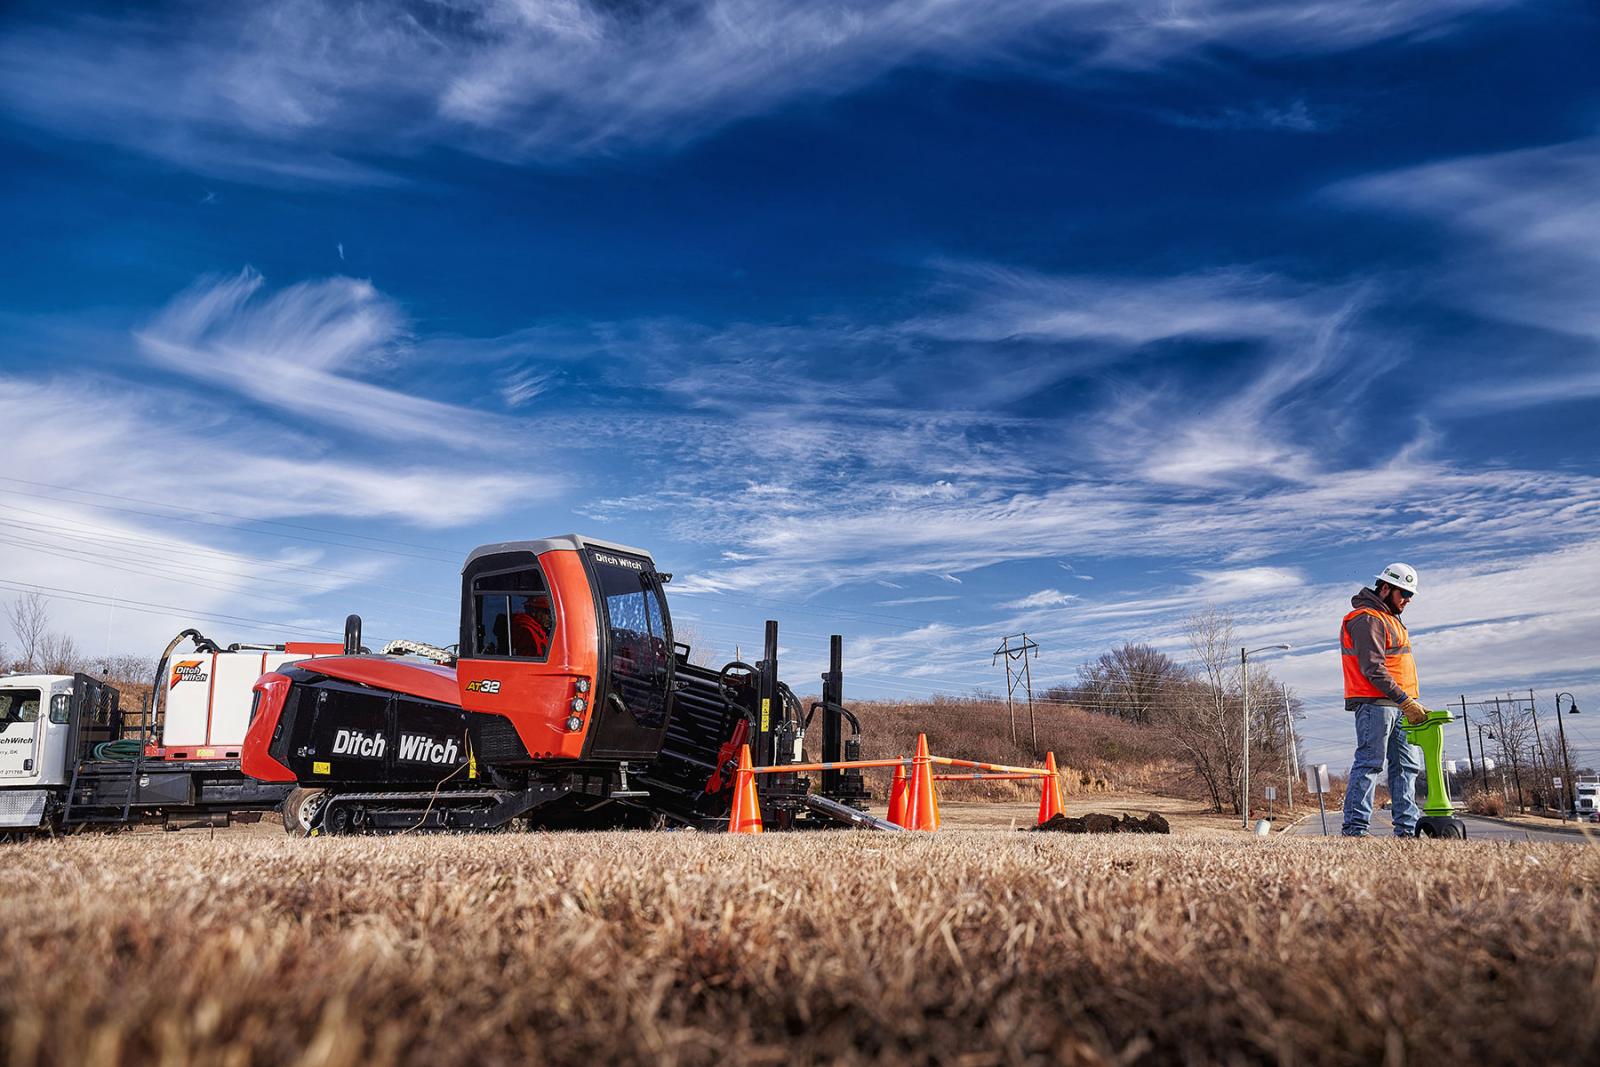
(1399,575)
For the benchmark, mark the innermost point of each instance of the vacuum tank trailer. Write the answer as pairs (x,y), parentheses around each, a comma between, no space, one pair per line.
(568,705)
(70,755)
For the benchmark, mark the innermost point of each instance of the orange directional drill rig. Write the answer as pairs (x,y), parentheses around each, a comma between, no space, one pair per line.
(568,705)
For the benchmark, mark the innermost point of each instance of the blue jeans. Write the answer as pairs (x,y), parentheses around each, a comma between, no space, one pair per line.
(1378,731)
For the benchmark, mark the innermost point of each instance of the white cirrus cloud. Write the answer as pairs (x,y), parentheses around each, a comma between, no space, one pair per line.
(174,446)
(1044,598)
(303,90)
(1522,235)
(303,350)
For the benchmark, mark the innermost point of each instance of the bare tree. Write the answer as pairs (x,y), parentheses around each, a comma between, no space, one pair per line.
(30,621)
(1513,729)
(701,651)
(1205,724)
(58,654)
(1132,682)
(127,670)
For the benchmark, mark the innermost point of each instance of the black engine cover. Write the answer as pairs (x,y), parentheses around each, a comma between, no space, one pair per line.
(333,732)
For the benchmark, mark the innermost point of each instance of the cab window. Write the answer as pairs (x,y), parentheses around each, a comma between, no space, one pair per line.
(512,614)
(60,708)
(19,705)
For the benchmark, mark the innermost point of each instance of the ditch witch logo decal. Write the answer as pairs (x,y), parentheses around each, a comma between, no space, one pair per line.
(414,748)
(187,671)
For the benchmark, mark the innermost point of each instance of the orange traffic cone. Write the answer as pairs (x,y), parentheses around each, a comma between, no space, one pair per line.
(1050,799)
(897,795)
(745,818)
(922,803)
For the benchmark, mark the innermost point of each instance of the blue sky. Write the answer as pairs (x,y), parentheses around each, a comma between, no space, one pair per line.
(924,322)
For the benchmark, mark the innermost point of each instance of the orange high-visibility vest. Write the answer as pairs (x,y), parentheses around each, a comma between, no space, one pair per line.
(1396,657)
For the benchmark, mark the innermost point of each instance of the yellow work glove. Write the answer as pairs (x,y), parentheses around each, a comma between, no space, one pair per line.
(1413,710)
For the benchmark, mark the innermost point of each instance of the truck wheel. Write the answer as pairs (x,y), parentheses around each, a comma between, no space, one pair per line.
(290,811)
(300,809)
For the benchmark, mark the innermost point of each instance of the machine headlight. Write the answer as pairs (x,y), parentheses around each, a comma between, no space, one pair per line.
(579,704)
(581,685)
(574,723)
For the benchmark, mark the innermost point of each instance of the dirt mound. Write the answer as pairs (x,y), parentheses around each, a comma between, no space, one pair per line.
(1096,823)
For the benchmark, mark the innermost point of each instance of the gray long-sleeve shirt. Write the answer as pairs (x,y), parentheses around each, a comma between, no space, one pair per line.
(1369,641)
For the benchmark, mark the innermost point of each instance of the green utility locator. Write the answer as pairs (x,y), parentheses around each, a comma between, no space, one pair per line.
(1438,814)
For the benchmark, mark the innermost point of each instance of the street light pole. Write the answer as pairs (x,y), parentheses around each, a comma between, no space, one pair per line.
(1294,756)
(1566,758)
(1244,683)
(1483,754)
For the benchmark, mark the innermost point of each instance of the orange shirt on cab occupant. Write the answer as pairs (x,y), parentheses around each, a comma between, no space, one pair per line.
(530,631)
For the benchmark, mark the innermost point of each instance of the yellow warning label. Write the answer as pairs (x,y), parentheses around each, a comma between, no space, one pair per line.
(766,714)
(321,767)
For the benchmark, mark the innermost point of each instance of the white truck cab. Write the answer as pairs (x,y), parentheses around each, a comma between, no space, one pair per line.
(1586,797)
(35,717)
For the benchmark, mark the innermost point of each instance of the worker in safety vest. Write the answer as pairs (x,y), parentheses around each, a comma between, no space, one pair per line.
(530,628)
(1380,686)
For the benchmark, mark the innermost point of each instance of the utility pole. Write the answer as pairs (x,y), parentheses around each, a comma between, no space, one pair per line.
(1244,684)
(1294,756)
(1018,673)
(1544,773)
(1466,730)
(1027,677)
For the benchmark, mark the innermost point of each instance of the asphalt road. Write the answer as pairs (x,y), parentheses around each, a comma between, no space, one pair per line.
(1477,829)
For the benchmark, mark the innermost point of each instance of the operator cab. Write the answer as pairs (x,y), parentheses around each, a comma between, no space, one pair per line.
(570,639)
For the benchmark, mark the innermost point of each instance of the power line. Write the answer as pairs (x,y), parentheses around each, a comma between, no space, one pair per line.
(228,526)
(148,608)
(167,574)
(84,532)
(220,514)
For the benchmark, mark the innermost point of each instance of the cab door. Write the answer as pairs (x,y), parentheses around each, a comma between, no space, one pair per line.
(21,711)
(636,664)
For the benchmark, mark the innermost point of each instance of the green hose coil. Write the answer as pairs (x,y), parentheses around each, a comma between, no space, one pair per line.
(125,751)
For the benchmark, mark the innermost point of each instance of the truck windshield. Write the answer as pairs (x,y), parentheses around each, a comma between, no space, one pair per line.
(19,705)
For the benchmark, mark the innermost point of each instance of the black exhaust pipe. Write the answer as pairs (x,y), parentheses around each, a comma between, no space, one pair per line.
(352,635)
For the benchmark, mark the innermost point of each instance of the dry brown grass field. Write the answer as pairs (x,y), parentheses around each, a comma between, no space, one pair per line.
(967,947)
